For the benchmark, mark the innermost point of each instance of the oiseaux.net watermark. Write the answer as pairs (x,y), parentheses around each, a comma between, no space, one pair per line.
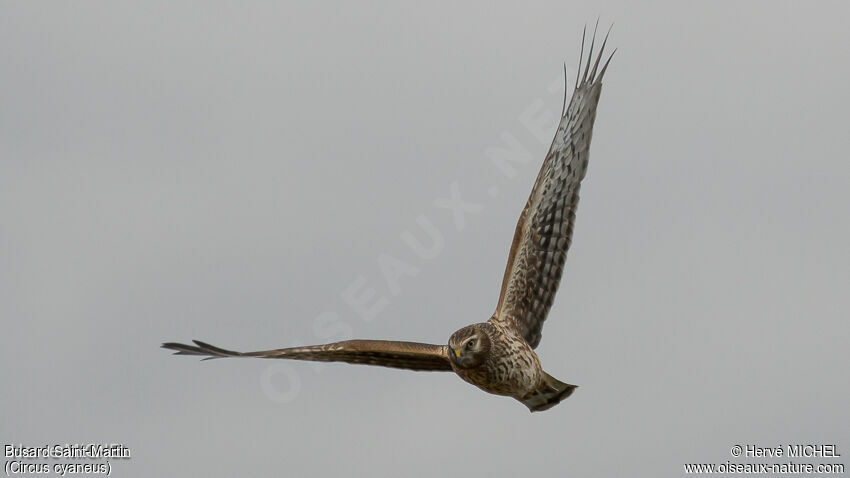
(425,239)
(785,459)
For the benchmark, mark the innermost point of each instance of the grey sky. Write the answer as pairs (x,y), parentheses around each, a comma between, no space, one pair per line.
(171,171)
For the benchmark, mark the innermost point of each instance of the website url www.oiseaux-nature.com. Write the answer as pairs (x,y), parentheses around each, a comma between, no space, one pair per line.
(764,468)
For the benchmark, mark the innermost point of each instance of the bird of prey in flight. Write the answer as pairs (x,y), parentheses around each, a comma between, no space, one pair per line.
(498,355)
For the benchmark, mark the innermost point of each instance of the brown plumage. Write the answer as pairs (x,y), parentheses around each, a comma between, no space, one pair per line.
(386,353)
(497,356)
(545,227)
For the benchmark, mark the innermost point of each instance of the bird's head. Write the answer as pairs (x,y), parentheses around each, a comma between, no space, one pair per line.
(469,346)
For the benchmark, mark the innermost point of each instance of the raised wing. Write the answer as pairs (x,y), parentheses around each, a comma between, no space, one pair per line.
(384,353)
(545,227)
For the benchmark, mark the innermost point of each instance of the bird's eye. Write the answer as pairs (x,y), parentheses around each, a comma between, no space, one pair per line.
(470,344)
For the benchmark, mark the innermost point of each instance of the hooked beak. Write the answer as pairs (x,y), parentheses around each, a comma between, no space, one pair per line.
(457,352)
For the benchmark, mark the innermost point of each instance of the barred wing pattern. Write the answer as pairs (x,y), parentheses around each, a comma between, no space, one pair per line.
(384,353)
(545,227)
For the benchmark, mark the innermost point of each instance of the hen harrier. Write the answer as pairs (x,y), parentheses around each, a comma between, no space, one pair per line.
(497,356)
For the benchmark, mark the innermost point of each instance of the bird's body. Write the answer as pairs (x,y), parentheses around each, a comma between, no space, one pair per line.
(498,355)
(511,368)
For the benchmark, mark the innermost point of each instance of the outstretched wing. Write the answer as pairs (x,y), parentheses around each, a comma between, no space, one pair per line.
(545,227)
(385,353)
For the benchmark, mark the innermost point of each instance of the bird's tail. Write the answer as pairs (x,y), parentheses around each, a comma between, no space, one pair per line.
(549,394)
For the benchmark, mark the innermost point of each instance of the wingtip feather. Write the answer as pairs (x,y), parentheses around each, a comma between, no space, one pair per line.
(581,55)
(605,66)
(599,56)
(564,106)
(590,52)
(589,75)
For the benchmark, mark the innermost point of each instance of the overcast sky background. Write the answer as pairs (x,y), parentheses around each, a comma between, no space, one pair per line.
(171,171)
